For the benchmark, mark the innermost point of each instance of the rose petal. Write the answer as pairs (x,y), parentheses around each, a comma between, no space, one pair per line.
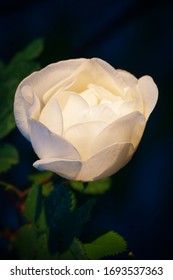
(26,105)
(115,106)
(126,129)
(68,169)
(51,117)
(89,96)
(127,77)
(83,135)
(58,88)
(149,92)
(70,72)
(135,104)
(49,145)
(106,162)
(119,81)
(102,93)
(100,113)
(54,74)
(74,109)
(92,71)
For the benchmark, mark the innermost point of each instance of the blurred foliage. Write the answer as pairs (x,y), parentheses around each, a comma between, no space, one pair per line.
(8,157)
(40,177)
(32,204)
(26,242)
(21,65)
(93,188)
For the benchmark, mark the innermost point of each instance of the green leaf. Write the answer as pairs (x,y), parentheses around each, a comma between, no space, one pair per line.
(81,215)
(26,242)
(76,251)
(72,223)
(41,223)
(44,179)
(7,125)
(40,177)
(8,157)
(110,243)
(93,188)
(30,52)
(33,203)
(47,188)
(17,72)
(73,201)
(58,203)
(42,250)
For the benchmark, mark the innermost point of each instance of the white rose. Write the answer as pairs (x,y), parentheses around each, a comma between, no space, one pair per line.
(84,118)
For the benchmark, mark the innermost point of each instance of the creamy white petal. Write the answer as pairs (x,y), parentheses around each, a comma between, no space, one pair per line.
(106,162)
(126,108)
(91,72)
(54,74)
(128,78)
(114,106)
(49,145)
(100,113)
(90,97)
(76,76)
(26,105)
(126,129)
(135,104)
(102,93)
(27,93)
(51,117)
(21,117)
(68,169)
(62,98)
(83,135)
(149,93)
(30,102)
(60,87)
(120,80)
(76,107)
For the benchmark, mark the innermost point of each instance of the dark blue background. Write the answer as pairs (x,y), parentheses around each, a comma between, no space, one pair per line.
(132,35)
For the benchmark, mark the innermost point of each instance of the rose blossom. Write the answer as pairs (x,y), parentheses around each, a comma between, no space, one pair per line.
(84,118)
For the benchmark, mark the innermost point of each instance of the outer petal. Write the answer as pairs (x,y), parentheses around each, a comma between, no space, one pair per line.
(49,145)
(51,117)
(93,72)
(135,104)
(65,168)
(127,129)
(106,162)
(55,74)
(149,92)
(120,80)
(127,77)
(83,135)
(26,105)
